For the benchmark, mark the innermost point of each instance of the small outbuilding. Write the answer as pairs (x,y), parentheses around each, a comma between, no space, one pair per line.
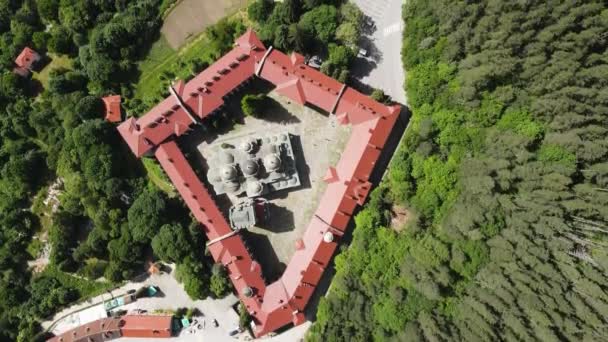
(146,326)
(248,213)
(105,329)
(112,108)
(26,61)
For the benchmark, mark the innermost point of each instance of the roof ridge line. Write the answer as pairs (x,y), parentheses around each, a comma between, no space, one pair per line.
(338,98)
(258,71)
(181,103)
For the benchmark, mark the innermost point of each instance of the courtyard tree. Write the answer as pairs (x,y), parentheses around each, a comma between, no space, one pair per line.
(253,105)
(339,60)
(244,317)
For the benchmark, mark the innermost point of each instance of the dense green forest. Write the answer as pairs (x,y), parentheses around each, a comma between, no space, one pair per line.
(504,179)
(110,218)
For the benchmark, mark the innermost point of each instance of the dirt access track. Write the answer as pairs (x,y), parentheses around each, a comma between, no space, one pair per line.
(190,17)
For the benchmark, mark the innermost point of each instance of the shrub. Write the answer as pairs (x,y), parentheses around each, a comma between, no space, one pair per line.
(252,105)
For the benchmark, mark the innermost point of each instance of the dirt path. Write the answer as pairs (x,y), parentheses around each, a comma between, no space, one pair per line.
(190,17)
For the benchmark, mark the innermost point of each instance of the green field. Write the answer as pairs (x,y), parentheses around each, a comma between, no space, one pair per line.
(163,61)
(160,57)
(158,177)
(57,62)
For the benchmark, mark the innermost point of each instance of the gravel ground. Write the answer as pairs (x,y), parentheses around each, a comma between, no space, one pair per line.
(319,141)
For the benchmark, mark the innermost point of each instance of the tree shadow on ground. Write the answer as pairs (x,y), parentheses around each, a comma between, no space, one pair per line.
(360,86)
(373,53)
(362,66)
(275,112)
(368,26)
(262,251)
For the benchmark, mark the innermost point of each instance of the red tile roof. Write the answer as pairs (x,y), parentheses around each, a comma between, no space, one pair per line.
(27,58)
(112,107)
(290,73)
(97,331)
(106,329)
(283,301)
(203,95)
(146,326)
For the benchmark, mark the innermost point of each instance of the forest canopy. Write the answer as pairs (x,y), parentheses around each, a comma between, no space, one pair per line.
(503,176)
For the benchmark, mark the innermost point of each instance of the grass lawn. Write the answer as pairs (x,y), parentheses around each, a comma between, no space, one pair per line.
(163,59)
(158,177)
(57,61)
(160,57)
(44,213)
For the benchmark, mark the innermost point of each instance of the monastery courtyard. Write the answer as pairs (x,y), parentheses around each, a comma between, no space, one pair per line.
(317,140)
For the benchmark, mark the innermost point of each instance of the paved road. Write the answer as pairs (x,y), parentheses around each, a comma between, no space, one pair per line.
(382,68)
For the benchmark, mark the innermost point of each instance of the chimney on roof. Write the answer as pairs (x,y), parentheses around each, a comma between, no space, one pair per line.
(299,244)
(296,59)
(331,175)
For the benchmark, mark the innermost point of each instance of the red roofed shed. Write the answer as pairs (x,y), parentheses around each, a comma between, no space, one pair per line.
(25,61)
(112,105)
(146,326)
